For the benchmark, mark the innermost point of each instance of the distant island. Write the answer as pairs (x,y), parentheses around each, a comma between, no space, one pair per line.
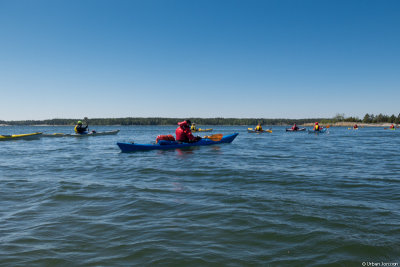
(338,120)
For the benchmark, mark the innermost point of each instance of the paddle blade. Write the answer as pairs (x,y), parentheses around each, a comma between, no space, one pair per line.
(214,137)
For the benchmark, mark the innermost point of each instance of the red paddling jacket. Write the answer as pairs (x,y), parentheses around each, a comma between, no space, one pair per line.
(183,133)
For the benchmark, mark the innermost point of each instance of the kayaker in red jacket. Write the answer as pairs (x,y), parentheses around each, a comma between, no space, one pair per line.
(294,127)
(184,134)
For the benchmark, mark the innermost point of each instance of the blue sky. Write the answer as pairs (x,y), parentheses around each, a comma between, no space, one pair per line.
(205,58)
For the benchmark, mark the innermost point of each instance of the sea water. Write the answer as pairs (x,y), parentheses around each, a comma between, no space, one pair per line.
(272,199)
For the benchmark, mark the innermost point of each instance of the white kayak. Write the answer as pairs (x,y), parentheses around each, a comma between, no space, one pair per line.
(81,135)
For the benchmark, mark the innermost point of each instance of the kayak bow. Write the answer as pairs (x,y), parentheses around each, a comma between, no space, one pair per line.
(29,136)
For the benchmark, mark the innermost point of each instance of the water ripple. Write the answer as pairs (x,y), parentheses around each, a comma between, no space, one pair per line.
(278,199)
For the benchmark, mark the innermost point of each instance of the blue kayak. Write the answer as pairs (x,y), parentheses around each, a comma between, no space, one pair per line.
(131,147)
(317,132)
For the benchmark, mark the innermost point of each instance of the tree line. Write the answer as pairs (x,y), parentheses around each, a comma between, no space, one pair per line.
(164,121)
(368,118)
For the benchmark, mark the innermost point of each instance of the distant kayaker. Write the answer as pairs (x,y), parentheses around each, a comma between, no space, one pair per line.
(355,126)
(258,128)
(317,127)
(193,127)
(184,134)
(79,129)
(294,127)
(392,126)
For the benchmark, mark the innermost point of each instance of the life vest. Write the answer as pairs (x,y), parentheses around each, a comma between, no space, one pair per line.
(316,127)
(79,129)
(258,128)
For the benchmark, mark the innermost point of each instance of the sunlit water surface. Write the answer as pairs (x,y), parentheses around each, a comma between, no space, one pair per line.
(279,199)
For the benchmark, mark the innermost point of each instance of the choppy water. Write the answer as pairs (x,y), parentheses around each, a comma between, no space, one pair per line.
(280,199)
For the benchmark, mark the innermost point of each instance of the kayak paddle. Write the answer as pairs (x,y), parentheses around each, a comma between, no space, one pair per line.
(87,123)
(214,137)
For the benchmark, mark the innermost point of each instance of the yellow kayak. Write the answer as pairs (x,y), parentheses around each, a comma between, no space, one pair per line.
(251,130)
(29,136)
(202,130)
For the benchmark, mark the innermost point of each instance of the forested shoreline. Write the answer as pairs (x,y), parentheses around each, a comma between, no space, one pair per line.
(368,118)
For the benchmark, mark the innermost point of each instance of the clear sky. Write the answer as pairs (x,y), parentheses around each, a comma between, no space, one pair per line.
(203,58)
